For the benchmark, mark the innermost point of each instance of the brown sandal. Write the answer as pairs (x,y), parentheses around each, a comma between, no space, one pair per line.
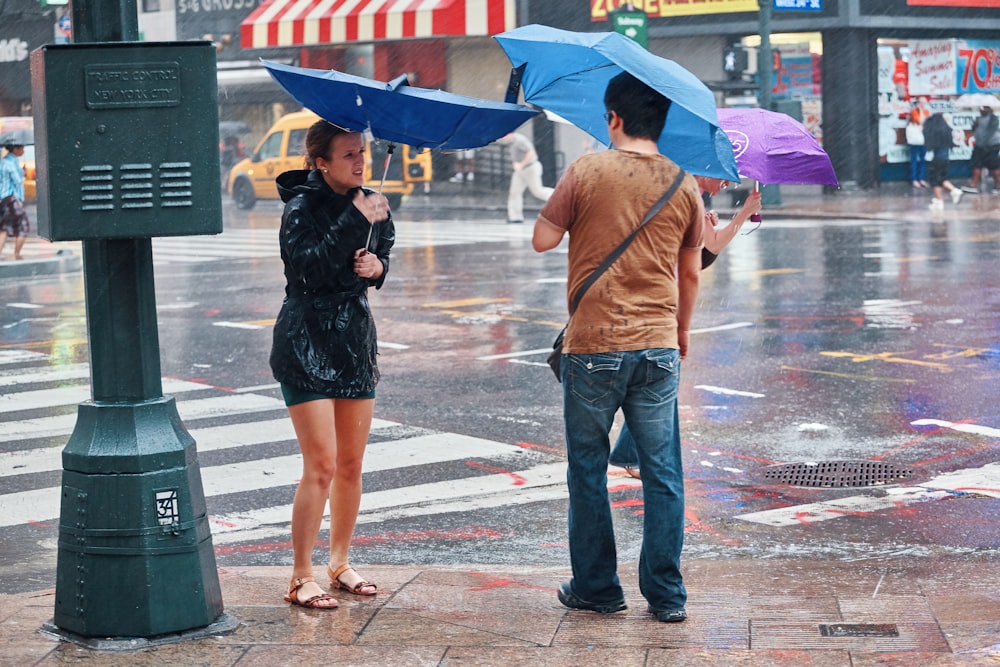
(311,603)
(335,581)
(632,472)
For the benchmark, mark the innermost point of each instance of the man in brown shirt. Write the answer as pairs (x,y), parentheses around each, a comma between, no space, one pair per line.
(624,343)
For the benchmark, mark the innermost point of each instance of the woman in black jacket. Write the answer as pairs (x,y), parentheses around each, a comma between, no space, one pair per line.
(335,241)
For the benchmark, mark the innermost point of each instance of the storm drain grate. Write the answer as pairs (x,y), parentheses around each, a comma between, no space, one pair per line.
(858,630)
(836,473)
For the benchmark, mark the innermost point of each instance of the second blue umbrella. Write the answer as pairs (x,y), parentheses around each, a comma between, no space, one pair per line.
(567,72)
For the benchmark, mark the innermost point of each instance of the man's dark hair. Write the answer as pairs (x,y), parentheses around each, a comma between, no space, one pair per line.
(643,110)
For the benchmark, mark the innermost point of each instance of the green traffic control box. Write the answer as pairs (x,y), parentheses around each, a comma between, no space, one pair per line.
(127,138)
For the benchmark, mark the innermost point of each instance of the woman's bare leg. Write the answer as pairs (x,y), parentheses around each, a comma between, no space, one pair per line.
(18,244)
(314,423)
(353,424)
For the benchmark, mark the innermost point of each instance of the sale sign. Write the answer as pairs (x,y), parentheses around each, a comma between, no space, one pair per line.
(978,67)
(932,67)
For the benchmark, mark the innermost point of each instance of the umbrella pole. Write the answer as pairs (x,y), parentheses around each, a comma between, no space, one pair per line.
(756,217)
(385,170)
(514,84)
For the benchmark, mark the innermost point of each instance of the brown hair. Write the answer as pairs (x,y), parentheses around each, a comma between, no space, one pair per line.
(318,138)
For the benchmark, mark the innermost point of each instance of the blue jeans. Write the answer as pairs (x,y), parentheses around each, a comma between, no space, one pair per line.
(918,163)
(643,383)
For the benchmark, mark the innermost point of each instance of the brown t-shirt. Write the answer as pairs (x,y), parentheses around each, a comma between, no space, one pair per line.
(600,199)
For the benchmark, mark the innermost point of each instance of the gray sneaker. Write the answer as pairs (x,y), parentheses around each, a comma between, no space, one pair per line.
(971,190)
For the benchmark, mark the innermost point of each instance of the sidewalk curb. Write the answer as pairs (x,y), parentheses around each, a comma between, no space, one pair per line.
(64,261)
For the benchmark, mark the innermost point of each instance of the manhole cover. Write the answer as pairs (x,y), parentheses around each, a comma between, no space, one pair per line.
(837,473)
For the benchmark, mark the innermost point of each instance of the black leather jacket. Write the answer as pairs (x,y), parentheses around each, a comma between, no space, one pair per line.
(324,337)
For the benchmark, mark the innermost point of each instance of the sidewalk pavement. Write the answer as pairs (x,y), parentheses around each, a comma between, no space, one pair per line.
(908,610)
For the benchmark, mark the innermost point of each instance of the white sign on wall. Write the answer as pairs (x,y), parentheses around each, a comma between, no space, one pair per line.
(886,68)
(932,67)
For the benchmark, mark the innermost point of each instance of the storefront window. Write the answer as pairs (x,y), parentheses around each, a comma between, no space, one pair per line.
(945,72)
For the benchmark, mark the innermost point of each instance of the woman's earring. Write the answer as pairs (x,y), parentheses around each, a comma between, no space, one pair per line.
(325,171)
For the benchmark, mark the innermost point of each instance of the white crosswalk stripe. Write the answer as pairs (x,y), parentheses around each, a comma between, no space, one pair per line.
(47,398)
(540,483)
(60,425)
(257,243)
(256,489)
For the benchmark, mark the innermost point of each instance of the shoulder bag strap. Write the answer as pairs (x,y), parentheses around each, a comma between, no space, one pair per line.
(616,253)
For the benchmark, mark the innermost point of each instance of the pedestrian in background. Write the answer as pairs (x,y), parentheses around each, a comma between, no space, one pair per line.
(527,175)
(624,454)
(623,344)
(465,171)
(938,139)
(915,140)
(717,238)
(335,240)
(985,149)
(13,219)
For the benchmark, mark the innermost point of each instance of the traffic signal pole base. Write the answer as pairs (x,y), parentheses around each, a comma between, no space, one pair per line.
(223,625)
(135,556)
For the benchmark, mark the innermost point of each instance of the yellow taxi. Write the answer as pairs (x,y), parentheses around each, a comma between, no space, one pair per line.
(282,149)
(8,123)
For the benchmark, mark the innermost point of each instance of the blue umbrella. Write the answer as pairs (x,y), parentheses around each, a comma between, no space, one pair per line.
(567,72)
(397,112)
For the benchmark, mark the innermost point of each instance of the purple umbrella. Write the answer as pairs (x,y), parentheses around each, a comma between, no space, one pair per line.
(774,148)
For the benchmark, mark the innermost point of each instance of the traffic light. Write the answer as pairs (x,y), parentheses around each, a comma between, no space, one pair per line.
(735,62)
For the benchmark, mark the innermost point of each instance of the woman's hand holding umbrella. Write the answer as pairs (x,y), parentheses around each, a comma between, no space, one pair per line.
(367,264)
(373,205)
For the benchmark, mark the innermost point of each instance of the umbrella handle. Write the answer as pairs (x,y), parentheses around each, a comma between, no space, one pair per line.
(385,165)
(755,217)
(385,170)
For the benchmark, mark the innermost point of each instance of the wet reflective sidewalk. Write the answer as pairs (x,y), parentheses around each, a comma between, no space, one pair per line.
(904,611)
(890,202)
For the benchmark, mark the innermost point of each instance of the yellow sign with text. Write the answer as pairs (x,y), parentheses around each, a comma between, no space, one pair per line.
(600,9)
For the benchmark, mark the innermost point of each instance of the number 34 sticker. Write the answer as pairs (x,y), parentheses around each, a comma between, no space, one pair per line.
(167,507)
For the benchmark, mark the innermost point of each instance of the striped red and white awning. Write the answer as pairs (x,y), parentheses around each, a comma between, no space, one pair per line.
(314,22)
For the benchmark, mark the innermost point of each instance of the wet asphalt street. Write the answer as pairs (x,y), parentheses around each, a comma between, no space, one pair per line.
(832,333)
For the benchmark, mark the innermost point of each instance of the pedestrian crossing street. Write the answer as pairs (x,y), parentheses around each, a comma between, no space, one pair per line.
(258,243)
(249,459)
